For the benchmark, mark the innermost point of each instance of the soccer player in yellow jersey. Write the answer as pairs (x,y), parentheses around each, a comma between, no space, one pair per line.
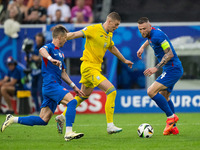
(98,40)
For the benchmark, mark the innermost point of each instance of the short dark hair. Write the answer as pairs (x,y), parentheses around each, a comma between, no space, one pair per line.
(59,29)
(114,16)
(143,20)
(41,36)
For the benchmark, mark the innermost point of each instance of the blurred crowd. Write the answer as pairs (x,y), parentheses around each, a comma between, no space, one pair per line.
(46,11)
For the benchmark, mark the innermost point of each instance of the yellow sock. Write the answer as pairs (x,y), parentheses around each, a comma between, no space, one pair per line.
(110,104)
(79,101)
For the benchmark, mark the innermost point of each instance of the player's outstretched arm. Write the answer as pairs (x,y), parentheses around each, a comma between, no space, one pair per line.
(74,35)
(141,50)
(66,78)
(45,54)
(117,53)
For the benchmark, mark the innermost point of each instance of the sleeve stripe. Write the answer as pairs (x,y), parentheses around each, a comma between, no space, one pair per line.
(83,34)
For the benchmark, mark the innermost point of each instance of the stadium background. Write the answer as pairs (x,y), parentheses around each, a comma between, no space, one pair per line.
(176,21)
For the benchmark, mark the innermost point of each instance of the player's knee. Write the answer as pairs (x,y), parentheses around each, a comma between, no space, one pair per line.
(150,92)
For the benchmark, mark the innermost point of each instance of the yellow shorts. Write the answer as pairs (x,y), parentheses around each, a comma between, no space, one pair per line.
(91,74)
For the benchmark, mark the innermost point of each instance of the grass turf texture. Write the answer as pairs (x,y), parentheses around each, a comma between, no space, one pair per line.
(18,137)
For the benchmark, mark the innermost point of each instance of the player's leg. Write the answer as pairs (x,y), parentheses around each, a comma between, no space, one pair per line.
(7,92)
(110,91)
(71,103)
(166,94)
(45,116)
(60,119)
(153,92)
(87,91)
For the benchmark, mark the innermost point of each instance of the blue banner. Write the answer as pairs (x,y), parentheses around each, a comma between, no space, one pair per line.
(137,101)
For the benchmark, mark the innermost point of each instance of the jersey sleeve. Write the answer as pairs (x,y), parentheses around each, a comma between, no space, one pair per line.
(112,43)
(87,31)
(47,48)
(162,41)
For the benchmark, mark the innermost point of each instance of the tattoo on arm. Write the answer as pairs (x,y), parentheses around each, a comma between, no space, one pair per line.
(168,55)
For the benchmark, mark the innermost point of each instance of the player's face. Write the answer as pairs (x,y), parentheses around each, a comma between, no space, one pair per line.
(63,40)
(145,29)
(113,25)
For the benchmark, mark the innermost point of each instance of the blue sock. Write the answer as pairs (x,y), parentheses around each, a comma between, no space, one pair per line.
(70,113)
(31,121)
(162,103)
(171,105)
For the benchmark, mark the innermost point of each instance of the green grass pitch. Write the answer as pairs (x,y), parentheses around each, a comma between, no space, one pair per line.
(19,137)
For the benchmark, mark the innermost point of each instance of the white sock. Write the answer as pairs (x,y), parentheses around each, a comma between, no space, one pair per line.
(15,119)
(110,124)
(68,129)
(172,116)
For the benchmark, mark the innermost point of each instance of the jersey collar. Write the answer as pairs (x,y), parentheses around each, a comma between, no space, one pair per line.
(104,28)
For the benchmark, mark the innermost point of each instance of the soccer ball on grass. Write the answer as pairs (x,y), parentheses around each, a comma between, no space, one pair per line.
(145,130)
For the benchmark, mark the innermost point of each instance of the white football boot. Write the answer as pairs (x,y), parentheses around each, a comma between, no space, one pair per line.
(113,129)
(60,119)
(9,120)
(72,135)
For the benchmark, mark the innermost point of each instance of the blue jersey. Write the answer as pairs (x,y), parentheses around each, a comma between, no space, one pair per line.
(18,74)
(156,38)
(50,72)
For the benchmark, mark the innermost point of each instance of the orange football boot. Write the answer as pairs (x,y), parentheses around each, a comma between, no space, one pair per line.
(170,122)
(174,131)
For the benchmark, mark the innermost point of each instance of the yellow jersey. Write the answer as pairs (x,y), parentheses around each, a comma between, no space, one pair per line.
(97,43)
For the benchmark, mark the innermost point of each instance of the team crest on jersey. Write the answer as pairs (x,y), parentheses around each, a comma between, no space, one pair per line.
(60,55)
(98,77)
(101,35)
(106,37)
(64,89)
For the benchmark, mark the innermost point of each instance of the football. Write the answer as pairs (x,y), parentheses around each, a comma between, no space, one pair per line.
(145,130)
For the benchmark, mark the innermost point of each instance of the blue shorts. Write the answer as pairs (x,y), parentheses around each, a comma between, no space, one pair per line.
(52,95)
(169,77)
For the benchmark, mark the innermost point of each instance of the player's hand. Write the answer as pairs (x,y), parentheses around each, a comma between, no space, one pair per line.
(148,72)
(139,52)
(55,62)
(129,63)
(78,91)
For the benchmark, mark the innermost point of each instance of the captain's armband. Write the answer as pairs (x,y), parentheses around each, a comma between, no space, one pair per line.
(165,44)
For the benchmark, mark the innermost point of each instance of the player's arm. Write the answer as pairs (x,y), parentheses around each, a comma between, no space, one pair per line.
(74,35)
(141,50)
(66,78)
(168,54)
(117,53)
(43,52)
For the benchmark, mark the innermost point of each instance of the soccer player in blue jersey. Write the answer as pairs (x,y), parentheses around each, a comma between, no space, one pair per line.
(168,60)
(53,70)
